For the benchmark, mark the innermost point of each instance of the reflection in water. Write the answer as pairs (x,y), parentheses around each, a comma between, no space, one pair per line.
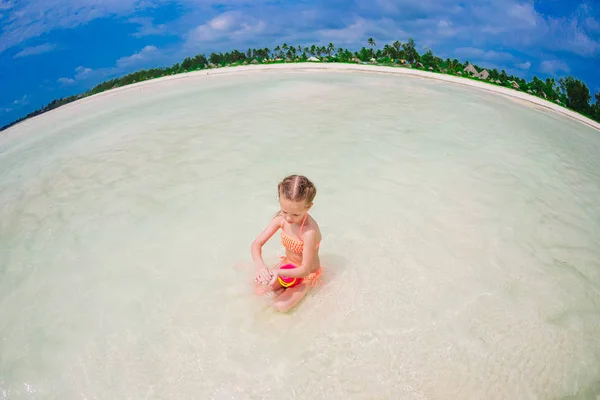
(460,243)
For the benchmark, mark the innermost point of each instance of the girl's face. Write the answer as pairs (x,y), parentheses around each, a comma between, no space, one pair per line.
(293,211)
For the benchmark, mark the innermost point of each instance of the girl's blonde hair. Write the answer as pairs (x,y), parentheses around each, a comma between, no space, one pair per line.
(296,188)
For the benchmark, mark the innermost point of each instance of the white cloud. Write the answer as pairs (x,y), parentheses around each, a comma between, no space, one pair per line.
(82,72)
(35,50)
(5,4)
(361,29)
(22,101)
(525,66)
(410,8)
(387,6)
(353,33)
(524,13)
(66,81)
(145,54)
(552,67)
(123,64)
(480,54)
(585,13)
(592,24)
(515,24)
(446,28)
(569,36)
(32,18)
(16,104)
(147,27)
(226,27)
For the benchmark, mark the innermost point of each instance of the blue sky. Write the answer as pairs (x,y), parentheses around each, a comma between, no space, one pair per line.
(56,48)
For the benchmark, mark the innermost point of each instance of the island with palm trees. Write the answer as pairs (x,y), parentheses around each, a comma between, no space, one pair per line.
(568,92)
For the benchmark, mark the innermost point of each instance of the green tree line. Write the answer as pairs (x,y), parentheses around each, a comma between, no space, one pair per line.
(567,91)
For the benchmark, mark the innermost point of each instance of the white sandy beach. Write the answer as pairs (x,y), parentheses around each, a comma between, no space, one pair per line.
(460,240)
(312,66)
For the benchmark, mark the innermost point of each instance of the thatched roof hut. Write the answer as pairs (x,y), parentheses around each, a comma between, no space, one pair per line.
(245,62)
(470,69)
(459,73)
(419,65)
(255,61)
(287,59)
(514,84)
(498,81)
(529,91)
(313,59)
(484,74)
(430,68)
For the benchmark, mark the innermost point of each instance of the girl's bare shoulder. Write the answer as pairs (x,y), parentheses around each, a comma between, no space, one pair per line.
(313,226)
(278,220)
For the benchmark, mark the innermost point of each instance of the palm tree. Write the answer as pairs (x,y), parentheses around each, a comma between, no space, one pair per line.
(454,65)
(330,48)
(388,51)
(371,43)
(397,47)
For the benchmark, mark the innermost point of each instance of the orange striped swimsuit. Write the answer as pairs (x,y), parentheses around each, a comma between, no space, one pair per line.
(291,243)
(295,245)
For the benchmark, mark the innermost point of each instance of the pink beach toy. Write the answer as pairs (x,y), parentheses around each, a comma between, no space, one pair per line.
(288,282)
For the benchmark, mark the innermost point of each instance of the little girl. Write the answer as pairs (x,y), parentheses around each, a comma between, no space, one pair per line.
(300,269)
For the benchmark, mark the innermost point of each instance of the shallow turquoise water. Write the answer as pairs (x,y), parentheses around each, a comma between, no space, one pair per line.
(460,247)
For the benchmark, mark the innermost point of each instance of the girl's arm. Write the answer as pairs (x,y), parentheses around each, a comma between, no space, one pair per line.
(260,241)
(309,254)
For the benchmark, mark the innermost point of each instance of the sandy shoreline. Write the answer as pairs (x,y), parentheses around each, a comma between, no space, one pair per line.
(513,94)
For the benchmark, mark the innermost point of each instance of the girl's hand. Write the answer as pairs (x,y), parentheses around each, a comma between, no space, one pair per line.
(274,278)
(263,275)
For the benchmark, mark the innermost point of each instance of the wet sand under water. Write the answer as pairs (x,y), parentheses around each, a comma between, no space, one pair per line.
(460,247)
